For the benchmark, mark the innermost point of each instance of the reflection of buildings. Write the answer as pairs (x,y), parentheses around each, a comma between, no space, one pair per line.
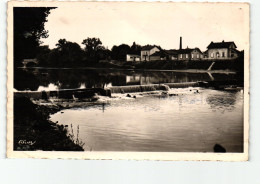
(156,79)
(171,77)
(141,80)
(31,79)
(133,80)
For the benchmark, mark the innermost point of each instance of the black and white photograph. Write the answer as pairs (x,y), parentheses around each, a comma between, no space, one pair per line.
(128,80)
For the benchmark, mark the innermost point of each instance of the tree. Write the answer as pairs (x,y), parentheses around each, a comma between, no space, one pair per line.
(136,49)
(28,30)
(42,54)
(120,52)
(94,49)
(61,43)
(67,54)
(92,44)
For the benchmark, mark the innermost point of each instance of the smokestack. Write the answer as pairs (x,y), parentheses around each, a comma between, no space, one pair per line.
(180,43)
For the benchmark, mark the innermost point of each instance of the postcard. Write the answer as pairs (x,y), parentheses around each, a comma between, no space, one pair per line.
(128,80)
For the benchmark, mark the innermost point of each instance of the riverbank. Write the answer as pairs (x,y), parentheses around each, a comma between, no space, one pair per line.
(148,70)
(234,65)
(34,131)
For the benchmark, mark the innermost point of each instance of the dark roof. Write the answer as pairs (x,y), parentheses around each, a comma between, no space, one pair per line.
(171,52)
(148,47)
(187,51)
(164,53)
(222,44)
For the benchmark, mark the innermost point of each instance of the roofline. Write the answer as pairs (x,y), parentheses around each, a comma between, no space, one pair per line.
(222,42)
(149,49)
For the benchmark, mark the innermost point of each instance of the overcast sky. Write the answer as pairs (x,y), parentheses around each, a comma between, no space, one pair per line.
(149,23)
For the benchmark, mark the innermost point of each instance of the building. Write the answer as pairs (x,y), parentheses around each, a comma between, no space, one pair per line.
(172,54)
(187,54)
(205,54)
(147,51)
(158,55)
(164,55)
(222,50)
(132,57)
(190,54)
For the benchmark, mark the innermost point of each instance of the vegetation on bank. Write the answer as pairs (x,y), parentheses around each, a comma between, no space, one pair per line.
(232,65)
(34,131)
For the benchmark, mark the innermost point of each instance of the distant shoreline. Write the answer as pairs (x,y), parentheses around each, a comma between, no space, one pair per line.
(148,70)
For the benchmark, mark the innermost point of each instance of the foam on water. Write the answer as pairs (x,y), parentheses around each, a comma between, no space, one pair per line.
(191,121)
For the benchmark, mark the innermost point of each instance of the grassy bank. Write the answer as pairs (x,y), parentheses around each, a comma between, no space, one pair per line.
(34,131)
(231,65)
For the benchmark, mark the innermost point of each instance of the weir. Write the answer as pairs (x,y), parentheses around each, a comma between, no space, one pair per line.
(151,87)
(91,92)
(66,94)
(138,88)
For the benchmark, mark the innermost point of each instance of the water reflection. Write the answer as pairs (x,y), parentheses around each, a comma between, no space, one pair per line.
(47,79)
(155,123)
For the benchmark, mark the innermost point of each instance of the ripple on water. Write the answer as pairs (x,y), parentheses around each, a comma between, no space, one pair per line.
(192,122)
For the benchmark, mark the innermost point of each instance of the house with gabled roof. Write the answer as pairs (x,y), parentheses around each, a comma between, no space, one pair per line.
(147,51)
(222,50)
(190,54)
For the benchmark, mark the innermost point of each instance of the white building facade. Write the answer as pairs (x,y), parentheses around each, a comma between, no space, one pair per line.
(147,51)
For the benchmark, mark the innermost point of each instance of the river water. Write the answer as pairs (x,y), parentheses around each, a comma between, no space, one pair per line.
(38,79)
(189,122)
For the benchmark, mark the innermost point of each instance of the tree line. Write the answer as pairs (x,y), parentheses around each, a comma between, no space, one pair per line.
(29,29)
(68,53)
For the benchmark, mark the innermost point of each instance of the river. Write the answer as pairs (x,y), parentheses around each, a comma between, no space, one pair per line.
(191,120)
(38,79)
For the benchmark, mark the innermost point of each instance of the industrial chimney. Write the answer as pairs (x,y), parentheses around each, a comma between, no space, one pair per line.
(180,43)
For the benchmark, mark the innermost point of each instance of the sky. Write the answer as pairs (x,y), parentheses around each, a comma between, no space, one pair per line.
(157,23)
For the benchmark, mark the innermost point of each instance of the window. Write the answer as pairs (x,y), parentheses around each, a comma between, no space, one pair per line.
(181,56)
(198,56)
(223,54)
(187,56)
(212,55)
(191,55)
